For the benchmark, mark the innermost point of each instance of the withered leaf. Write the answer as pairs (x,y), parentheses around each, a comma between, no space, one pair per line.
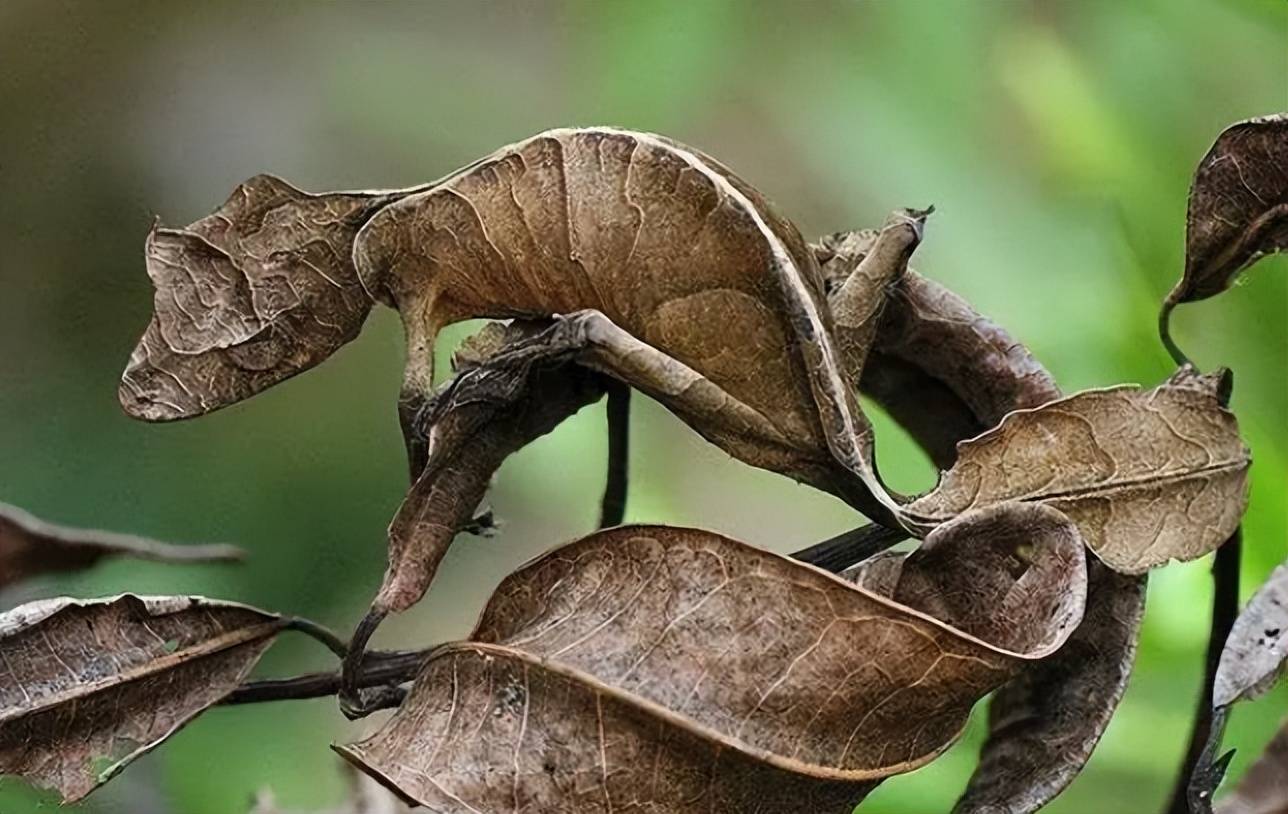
(946,373)
(943,371)
(1257,647)
(1252,658)
(1238,209)
(1263,789)
(514,385)
(90,686)
(678,670)
(261,289)
(683,274)
(1148,475)
(989,370)
(30,546)
(1044,725)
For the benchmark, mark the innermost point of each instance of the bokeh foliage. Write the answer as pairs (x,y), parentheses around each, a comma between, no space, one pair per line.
(1056,139)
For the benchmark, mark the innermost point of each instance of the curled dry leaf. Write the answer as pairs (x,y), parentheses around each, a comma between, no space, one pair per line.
(946,373)
(514,385)
(1238,208)
(1044,725)
(1257,647)
(30,546)
(90,686)
(259,290)
(1264,787)
(682,671)
(1148,475)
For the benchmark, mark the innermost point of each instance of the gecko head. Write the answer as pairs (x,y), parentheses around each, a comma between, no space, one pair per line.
(259,290)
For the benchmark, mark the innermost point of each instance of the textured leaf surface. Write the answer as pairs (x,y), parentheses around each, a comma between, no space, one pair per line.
(946,373)
(1044,725)
(250,295)
(1257,647)
(1148,475)
(673,670)
(86,687)
(30,546)
(1238,208)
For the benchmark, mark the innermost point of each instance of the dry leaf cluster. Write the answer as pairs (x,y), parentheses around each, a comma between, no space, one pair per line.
(663,669)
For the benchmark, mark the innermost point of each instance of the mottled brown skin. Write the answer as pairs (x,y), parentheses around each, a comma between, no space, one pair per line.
(679,278)
(678,271)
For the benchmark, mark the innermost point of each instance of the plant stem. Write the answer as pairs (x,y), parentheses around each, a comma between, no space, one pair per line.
(854,546)
(352,702)
(613,506)
(321,633)
(379,669)
(1165,334)
(1225,607)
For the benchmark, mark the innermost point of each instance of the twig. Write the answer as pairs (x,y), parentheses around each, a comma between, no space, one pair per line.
(379,670)
(1165,333)
(321,633)
(1225,607)
(854,546)
(613,506)
(352,702)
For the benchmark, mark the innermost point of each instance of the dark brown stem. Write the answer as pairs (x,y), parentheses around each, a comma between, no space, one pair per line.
(854,546)
(379,670)
(1225,607)
(1165,334)
(320,633)
(352,701)
(613,507)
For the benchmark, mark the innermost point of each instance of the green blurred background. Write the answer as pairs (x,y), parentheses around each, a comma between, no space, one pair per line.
(1056,140)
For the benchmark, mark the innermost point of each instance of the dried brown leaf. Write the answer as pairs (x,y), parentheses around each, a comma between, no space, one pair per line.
(90,686)
(1044,725)
(30,546)
(946,373)
(1238,208)
(252,294)
(677,670)
(1257,647)
(1264,787)
(1148,475)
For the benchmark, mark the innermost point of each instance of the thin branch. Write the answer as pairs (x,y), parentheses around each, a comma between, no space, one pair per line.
(1225,607)
(1165,334)
(854,546)
(352,701)
(379,670)
(387,670)
(613,506)
(321,633)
